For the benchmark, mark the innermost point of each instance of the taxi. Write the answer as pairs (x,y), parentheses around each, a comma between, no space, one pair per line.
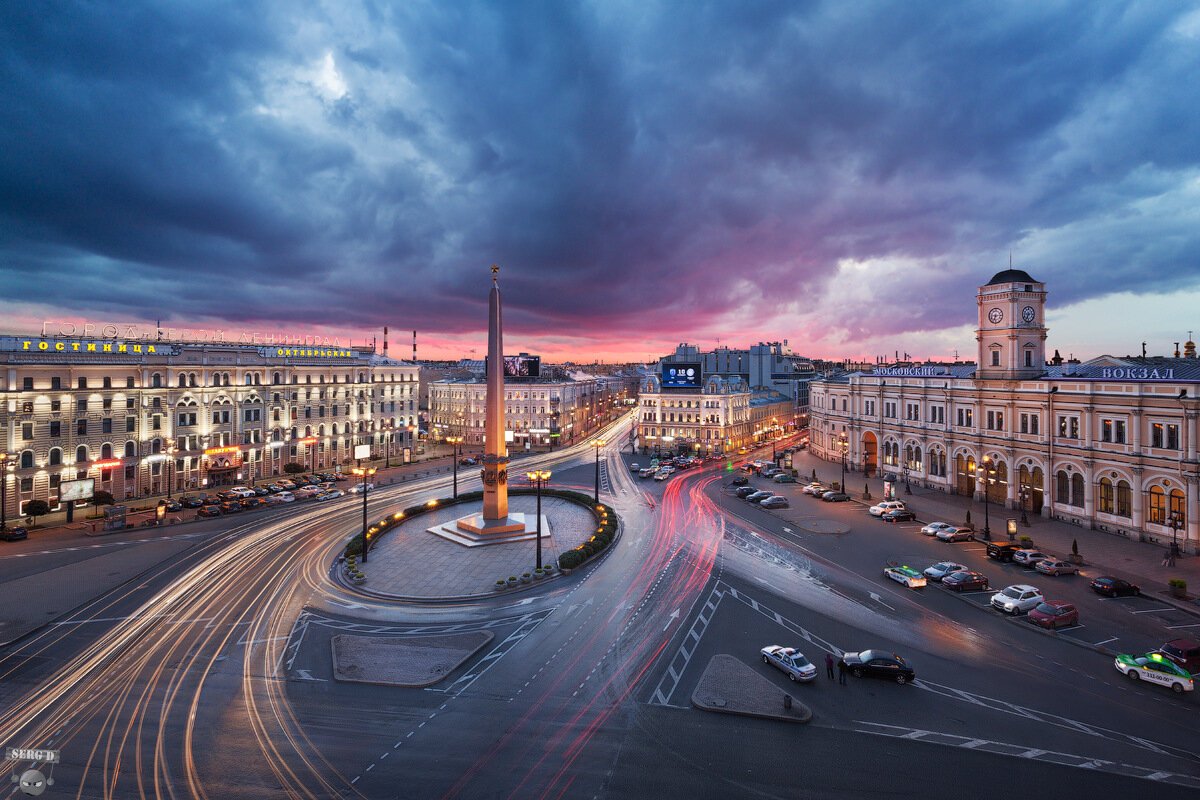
(906,575)
(1155,668)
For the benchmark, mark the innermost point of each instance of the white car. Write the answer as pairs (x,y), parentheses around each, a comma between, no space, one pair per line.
(1029,557)
(242,491)
(1155,668)
(790,660)
(286,497)
(815,489)
(661,475)
(358,487)
(647,472)
(634,467)
(932,528)
(886,505)
(942,569)
(905,575)
(1017,599)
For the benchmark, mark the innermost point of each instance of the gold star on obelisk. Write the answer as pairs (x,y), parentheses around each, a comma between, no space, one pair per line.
(495,272)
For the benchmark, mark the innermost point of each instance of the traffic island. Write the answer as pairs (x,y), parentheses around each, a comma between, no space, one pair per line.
(730,687)
(823,526)
(411,661)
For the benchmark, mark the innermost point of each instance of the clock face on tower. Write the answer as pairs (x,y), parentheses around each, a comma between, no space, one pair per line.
(995,315)
(1028,314)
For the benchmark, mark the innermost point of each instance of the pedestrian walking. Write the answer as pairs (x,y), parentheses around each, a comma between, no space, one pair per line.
(841,672)
(829,665)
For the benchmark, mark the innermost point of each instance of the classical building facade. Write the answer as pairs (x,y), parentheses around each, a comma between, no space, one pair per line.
(543,413)
(722,417)
(139,416)
(1109,444)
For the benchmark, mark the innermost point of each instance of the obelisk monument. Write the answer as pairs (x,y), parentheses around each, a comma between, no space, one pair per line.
(495,451)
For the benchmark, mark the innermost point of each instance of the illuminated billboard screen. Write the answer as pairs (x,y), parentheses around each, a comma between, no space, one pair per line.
(71,491)
(522,366)
(681,376)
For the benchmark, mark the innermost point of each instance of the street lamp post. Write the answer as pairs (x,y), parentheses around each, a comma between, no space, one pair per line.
(539,477)
(363,473)
(907,490)
(844,443)
(454,441)
(597,443)
(1024,495)
(985,470)
(170,443)
(4,468)
(1176,522)
(387,444)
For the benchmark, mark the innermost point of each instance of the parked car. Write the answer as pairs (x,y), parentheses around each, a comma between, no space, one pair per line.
(932,528)
(1155,668)
(774,501)
(647,472)
(273,500)
(886,505)
(771,471)
(356,488)
(878,664)
(835,497)
(286,485)
(759,496)
(783,477)
(662,475)
(1002,551)
(953,534)
(286,497)
(961,581)
(791,661)
(251,503)
(467,461)
(740,480)
(634,466)
(898,515)
(1109,586)
(1028,556)
(209,511)
(191,501)
(1053,566)
(1020,598)
(941,569)
(745,491)
(14,534)
(231,506)
(1054,614)
(1184,652)
(173,506)
(241,491)
(814,489)
(905,575)
(331,494)
(262,491)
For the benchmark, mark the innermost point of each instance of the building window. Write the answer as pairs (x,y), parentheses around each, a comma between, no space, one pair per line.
(81,454)
(106,425)
(1077,490)
(1062,493)
(27,384)
(55,456)
(81,427)
(1029,358)
(1068,427)
(965,417)
(995,358)
(1156,509)
(937,415)
(130,424)
(55,384)
(55,429)
(1177,506)
(1124,500)
(27,431)
(1106,496)
(995,420)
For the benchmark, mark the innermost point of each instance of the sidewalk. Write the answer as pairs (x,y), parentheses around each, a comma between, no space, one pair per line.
(1108,553)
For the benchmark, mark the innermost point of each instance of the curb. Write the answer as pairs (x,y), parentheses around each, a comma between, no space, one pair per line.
(802,716)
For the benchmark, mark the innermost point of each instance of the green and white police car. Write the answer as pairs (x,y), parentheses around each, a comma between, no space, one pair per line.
(906,575)
(1155,668)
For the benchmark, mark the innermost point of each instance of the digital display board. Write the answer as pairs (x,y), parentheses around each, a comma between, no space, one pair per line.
(70,491)
(681,375)
(522,366)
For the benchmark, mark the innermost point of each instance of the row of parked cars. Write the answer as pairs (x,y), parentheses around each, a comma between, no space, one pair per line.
(1171,665)
(818,489)
(319,486)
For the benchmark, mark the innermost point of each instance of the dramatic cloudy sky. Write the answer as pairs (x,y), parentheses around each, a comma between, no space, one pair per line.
(842,175)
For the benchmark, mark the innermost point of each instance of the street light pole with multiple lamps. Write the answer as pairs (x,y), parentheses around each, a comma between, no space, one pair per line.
(539,477)
(598,443)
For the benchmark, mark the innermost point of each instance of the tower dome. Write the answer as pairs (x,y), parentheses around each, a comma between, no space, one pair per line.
(1011,276)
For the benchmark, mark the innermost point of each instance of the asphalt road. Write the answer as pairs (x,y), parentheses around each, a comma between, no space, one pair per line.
(211,676)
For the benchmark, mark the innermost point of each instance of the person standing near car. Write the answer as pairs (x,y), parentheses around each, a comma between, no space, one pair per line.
(829,665)
(841,672)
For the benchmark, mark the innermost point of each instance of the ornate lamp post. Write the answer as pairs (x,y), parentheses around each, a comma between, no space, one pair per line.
(5,467)
(539,477)
(844,443)
(170,450)
(363,473)
(904,469)
(1024,495)
(596,443)
(388,428)
(454,442)
(1176,522)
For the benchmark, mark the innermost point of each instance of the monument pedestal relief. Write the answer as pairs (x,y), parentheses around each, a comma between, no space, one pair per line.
(494,525)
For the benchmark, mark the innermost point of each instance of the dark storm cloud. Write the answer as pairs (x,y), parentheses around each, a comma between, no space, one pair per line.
(648,167)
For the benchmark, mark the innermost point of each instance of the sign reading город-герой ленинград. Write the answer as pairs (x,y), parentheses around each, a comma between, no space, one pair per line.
(136,331)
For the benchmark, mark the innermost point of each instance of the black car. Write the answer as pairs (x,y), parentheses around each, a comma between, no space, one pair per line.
(1109,586)
(740,480)
(1002,551)
(878,664)
(14,534)
(961,581)
(261,491)
(191,501)
(173,506)
(209,511)
(231,507)
(898,515)
(745,491)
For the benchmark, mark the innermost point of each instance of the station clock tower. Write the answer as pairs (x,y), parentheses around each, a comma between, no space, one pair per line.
(1012,327)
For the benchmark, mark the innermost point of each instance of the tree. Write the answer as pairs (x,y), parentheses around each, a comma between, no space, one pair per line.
(103,498)
(36,508)
(292,468)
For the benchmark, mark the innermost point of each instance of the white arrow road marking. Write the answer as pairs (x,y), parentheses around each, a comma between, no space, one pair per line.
(674,615)
(350,606)
(306,675)
(879,600)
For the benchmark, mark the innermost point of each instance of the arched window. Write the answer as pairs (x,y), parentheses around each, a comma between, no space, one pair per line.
(130,449)
(1124,500)
(1107,504)
(55,456)
(249,378)
(276,378)
(156,446)
(81,454)
(105,451)
(1077,490)
(916,464)
(156,381)
(192,379)
(26,459)
(182,380)
(1062,492)
(1177,507)
(1156,509)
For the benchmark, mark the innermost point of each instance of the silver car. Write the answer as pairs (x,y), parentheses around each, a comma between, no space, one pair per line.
(942,569)
(791,661)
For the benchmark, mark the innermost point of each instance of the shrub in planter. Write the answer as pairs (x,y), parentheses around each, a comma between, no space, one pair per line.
(569,560)
(501,584)
(526,577)
(1178,587)
(1026,541)
(513,580)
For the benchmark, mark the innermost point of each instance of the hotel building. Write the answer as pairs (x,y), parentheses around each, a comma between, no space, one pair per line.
(1109,444)
(140,415)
